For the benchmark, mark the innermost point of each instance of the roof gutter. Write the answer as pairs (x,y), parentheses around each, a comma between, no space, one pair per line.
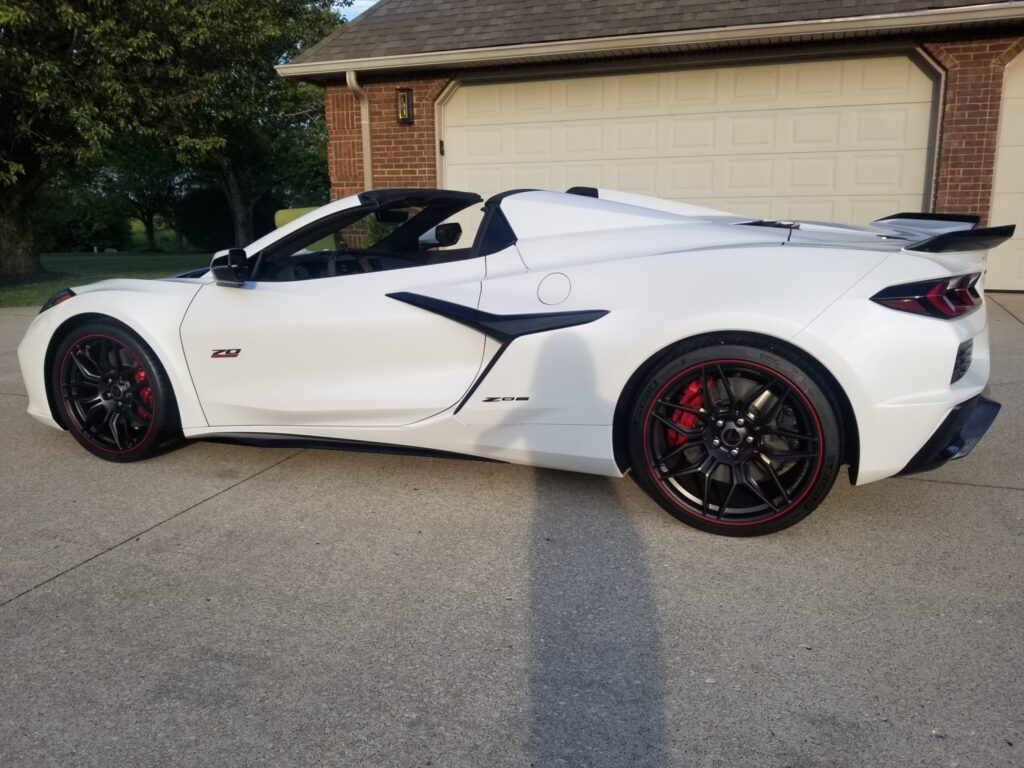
(659,41)
(352,81)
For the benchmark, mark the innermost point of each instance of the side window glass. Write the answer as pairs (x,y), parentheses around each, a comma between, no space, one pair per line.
(354,242)
(375,238)
(370,230)
(309,255)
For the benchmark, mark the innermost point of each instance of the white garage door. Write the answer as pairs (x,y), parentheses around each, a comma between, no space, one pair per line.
(845,140)
(1006,263)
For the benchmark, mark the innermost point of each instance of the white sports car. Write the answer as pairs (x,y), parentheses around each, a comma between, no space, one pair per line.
(732,364)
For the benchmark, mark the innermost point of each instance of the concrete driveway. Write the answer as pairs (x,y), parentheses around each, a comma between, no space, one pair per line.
(225,605)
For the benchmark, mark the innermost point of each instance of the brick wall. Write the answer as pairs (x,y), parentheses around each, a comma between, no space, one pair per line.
(344,141)
(970,121)
(403,155)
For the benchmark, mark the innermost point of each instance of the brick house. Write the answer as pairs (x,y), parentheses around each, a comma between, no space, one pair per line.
(841,110)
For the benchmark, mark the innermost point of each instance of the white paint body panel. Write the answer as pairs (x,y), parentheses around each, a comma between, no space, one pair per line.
(338,358)
(336,351)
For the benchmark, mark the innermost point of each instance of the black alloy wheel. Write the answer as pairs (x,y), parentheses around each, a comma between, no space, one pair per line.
(736,440)
(113,394)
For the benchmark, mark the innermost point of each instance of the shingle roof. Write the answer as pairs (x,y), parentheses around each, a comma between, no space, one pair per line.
(401,27)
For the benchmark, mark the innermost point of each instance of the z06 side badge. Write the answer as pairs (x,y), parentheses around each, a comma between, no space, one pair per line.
(226,353)
(504,399)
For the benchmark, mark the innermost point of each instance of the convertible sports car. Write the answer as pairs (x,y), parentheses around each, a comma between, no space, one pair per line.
(731,364)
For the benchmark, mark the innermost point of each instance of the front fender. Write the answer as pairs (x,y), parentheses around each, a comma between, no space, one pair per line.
(153,309)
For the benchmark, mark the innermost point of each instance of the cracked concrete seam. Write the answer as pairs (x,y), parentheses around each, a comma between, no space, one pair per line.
(1006,309)
(143,532)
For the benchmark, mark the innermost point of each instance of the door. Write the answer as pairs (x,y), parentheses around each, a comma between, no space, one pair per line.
(314,340)
(1006,263)
(835,140)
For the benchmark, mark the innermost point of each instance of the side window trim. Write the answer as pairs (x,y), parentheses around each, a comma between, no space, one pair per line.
(495,233)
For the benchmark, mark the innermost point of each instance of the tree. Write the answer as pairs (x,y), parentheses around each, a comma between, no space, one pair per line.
(70,76)
(258,131)
(196,76)
(73,214)
(144,176)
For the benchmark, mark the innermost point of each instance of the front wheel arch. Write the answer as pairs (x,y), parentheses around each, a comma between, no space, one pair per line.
(60,333)
(620,424)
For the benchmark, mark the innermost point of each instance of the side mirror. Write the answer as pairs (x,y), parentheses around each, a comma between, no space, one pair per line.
(441,236)
(230,268)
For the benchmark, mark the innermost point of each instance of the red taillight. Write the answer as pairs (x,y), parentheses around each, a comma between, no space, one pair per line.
(950,297)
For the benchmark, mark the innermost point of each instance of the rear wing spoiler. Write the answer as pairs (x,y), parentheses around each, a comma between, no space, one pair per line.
(964,240)
(945,232)
(930,220)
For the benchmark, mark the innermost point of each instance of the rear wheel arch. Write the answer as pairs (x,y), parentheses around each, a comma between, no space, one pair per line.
(620,424)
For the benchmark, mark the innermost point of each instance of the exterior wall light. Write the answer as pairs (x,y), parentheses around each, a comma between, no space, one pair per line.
(403,106)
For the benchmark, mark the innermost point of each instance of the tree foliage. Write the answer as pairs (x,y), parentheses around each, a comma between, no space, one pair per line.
(193,76)
(257,131)
(71,74)
(143,177)
(73,214)
(202,215)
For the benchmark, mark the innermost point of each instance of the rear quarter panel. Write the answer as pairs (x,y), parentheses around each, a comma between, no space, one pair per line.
(575,375)
(895,367)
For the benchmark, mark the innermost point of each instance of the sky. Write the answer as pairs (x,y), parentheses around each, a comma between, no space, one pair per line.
(356,8)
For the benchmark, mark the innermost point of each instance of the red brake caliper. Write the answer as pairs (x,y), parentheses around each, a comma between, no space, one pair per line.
(145,394)
(692,398)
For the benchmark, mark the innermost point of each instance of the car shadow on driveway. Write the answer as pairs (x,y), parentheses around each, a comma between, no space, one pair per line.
(596,674)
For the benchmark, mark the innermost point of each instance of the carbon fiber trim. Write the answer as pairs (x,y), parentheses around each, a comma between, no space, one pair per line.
(501,328)
(964,240)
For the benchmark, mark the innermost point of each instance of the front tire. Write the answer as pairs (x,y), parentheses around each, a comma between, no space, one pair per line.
(735,438)
(113,394)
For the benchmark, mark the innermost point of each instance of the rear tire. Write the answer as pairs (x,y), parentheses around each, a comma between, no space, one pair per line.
(113,394)
(737,439)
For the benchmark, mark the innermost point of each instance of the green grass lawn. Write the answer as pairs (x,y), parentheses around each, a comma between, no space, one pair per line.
(82,268)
